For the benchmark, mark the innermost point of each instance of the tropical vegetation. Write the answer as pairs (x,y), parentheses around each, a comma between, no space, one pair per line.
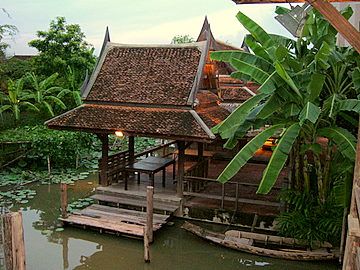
(309,95)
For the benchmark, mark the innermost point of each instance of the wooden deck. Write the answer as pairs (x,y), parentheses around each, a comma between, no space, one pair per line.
(115,220)
(123,211)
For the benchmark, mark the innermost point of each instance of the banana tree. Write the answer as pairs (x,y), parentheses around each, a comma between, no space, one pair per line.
(72,88)
(299,96)
(44,93)
(15,100)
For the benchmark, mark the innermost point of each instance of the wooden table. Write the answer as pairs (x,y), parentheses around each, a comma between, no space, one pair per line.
(150,166)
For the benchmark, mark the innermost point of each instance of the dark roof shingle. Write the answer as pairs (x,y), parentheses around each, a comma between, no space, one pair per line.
(146,75)
(137,120)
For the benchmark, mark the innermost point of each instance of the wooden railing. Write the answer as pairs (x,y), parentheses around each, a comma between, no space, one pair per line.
(200,169)
(196,187)
(117,162)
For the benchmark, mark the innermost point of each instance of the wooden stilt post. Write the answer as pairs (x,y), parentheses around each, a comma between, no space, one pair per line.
(63,191)
(131,148)
(181,168)
(65,252)
(146,246)
(148,229)
(150,212)
(14,249)
(201,157)
(103,181)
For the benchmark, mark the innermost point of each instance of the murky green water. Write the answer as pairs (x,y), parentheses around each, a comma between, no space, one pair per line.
(173,248)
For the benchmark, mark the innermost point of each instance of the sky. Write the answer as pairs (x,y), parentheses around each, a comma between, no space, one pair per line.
(134,21)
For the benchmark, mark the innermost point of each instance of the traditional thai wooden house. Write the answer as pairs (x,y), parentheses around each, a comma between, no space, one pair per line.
(148,91)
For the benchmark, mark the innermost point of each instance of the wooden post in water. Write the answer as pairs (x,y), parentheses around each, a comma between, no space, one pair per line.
(146,246)
(150,212)
(63,191)
(14,249)
(148,229)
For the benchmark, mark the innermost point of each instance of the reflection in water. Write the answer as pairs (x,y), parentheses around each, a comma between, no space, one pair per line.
(79,249)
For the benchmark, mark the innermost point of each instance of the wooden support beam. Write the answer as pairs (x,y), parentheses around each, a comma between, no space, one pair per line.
(14,247)
(356,180)
(103,181)
(131,147)
(181,168)
(201,157)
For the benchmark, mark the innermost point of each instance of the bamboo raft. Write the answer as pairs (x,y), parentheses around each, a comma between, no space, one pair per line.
(264,245)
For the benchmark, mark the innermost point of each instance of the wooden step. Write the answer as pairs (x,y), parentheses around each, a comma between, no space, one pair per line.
(116,191)
(112,219)
(119,200)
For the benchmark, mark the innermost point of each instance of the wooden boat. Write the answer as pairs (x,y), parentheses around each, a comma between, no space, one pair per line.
(265,245)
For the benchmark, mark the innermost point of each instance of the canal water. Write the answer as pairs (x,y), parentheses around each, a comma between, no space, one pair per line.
(51,248)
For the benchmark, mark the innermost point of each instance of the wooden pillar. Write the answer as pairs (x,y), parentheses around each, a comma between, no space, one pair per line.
(63,191)
(65,251)
(131,148)
(181,168)
(352,241)
(150,212)
(103,181)
(14,249)
(356,181)
(201,157)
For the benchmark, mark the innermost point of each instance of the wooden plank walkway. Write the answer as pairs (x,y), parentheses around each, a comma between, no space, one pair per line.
(117,200)
(115,220)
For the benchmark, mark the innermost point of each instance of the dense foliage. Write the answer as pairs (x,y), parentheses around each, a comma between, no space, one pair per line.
(309,94)
(63,46)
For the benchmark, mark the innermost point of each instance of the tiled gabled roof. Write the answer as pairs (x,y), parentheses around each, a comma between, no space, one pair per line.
(156,122)
(146,74)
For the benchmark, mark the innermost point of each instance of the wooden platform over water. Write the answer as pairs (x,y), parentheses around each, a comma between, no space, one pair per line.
(114,220)
(123,211)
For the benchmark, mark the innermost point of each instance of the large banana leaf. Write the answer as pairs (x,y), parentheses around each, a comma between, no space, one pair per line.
(257,74)
(226,56)
(255,30)
(322,56)
(246,153)
(344,140)
(315,86)
(310,112)
(256,47)
(278,159)
(273,82)
(356,79)
(272,105)
(227,127)
(285,76)
(350,105)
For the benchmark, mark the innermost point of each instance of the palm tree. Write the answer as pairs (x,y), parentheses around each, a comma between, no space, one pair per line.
(43,93)
(15,99)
